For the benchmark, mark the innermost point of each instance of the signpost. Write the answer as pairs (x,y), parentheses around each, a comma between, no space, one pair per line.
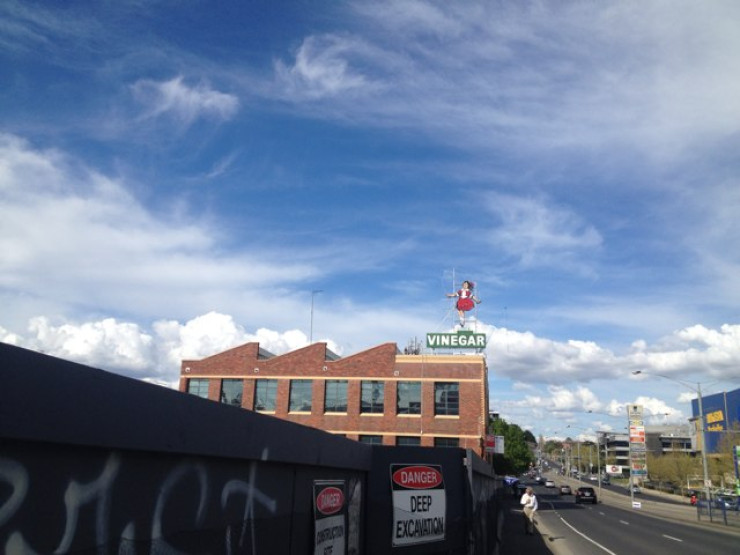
(638,452)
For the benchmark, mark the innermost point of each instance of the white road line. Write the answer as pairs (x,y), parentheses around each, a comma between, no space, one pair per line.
(672,538)
(624,522)
(584,536)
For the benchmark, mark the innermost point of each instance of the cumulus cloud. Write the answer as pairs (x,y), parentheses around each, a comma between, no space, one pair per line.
(522,356)
(155,356)
(183,102)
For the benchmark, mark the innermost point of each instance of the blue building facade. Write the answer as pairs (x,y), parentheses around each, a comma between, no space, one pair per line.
(721,413)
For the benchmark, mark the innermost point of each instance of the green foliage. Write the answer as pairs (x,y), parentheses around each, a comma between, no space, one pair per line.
(517,444)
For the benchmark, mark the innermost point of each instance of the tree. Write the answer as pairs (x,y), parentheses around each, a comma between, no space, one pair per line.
(518,455)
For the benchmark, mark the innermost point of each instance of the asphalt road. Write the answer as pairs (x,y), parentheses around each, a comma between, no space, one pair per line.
(613,527)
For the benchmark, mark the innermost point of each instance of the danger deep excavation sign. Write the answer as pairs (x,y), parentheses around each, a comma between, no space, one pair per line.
(419,504)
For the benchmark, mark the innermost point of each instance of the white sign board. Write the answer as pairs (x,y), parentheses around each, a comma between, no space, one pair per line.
(614,469)
(419,504)
(329,517)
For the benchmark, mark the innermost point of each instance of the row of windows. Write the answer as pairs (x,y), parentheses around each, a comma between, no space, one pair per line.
(411,440)
(372,395)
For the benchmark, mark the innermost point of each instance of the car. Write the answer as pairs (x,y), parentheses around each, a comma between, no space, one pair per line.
(549,484)
(593,478)
(726,502)
(635,489)
(565,490)
(585,495)
(539,480)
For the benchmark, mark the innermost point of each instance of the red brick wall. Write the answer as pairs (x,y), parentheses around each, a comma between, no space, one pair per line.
(378,363)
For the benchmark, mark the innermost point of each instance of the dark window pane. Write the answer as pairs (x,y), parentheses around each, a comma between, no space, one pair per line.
(372,440)
(405,440)
(446,442)
(372,397)
(231,392)
(265,395)
(335,396)
(300,396)
(446,399)
(409,398)
(198,387)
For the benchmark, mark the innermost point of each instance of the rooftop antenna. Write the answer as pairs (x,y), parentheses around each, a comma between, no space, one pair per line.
(313,294)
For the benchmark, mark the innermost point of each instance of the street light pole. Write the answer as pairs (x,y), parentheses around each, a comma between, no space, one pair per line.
(704,448)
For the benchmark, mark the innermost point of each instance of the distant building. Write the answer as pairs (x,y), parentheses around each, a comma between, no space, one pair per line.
(721,413)
(377,396)
(663,440)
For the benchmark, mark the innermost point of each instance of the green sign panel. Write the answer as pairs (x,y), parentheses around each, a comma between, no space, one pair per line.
(459,340)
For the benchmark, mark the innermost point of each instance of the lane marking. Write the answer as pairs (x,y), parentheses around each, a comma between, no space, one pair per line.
(672,538)
(584,536)
(624,522)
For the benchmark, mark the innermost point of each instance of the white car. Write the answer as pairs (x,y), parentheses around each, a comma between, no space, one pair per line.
(549,484)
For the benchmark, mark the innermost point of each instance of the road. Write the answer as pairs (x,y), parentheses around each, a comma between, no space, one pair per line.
(613,527)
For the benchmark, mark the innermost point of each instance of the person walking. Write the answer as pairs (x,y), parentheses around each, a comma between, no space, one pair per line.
(529,506)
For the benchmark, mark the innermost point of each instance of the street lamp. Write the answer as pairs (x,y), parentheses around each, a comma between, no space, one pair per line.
(696,390)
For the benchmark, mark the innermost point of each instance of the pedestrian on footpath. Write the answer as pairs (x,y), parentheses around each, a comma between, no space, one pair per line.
(529,506)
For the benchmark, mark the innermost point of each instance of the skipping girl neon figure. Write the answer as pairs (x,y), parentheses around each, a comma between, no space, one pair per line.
(466,300)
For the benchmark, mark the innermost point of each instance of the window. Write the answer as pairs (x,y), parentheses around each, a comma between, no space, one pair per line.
(265,395)
(407,440)
(372,397)
(231,392)
(372,440)
(335,396)
(446,399)
(408,399)
(446,442)
(300,396)
(198,387)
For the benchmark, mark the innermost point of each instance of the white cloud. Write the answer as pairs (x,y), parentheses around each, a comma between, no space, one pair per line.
(539,233)
(696,350)
(322,69)
(127,349)
(184,103)
(71,237)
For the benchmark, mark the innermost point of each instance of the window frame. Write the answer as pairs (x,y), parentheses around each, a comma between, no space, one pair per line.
(373,405)
(307,386)
(200,392)
(408,411)
(336,396)
(442,441)
(413,441)
(447,407)
(239,395)
(267,383)
(374,439)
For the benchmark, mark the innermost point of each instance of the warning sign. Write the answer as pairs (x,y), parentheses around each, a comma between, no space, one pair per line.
(330,509)
(419,504)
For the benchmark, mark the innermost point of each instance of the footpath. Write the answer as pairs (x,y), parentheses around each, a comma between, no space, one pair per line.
(513,538)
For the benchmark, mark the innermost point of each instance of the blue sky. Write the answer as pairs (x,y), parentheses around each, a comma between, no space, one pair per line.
(177,178)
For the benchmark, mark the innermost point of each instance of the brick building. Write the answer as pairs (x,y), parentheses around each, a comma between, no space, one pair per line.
(376,396)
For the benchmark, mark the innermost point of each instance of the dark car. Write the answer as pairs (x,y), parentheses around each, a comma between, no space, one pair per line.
(585,495)
(565,490)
